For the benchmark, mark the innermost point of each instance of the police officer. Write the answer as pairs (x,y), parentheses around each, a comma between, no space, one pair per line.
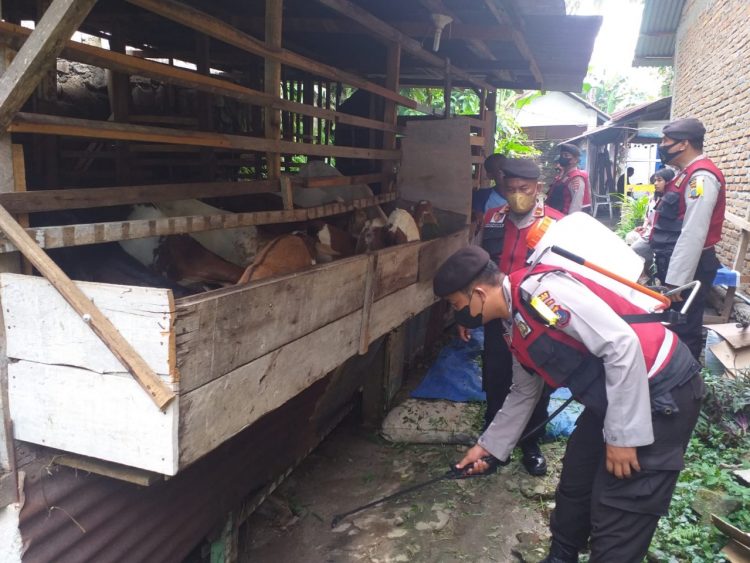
(639,384)
(570,192)
(688,221)
(504,238)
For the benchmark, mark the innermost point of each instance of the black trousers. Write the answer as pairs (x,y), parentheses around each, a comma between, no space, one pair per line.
(618,517)
(691,332)
(497,376)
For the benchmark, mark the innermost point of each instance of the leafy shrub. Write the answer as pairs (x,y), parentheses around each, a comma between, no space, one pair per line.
(632,213)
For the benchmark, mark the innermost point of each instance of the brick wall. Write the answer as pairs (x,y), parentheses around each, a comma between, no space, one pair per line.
(712,83)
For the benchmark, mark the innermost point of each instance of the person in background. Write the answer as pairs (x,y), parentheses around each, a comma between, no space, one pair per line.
(504,239)
(571,191)
(624,180)
(688,222)
(638,239)
(639,384)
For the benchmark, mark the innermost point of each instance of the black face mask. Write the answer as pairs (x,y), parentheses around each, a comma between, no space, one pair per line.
(664,155)
(466,319)
(562,161)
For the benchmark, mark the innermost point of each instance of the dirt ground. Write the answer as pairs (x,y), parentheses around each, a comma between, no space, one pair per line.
(476,520)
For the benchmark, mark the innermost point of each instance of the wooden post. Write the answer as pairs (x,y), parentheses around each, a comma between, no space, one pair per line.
(205,115)
(272,82)
(447,89)
(9,263)
(23,75)
(390,113)
(364,331)
(120,105)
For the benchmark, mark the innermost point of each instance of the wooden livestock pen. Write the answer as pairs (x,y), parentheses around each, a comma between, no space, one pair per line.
(137,417)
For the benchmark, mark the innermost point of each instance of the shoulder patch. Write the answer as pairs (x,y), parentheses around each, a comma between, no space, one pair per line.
(696,187)
(523,328)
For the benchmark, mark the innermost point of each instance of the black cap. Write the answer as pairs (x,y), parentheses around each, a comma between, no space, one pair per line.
(681,129)
(494,161)
(459,270)
(520,168)
(571,148)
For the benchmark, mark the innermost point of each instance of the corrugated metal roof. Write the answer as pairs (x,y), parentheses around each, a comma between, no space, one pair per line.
(635,112)
(656,39)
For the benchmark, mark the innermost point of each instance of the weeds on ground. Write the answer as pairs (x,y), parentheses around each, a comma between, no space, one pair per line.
(719,445)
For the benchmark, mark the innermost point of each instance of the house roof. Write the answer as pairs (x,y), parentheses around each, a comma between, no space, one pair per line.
(656,39)
(658,109)
(605,116)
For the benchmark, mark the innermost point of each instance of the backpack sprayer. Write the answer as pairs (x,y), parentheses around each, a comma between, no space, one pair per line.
(616,267)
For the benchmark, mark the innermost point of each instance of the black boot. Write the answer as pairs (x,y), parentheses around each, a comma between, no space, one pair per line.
(561,553)
(533,459)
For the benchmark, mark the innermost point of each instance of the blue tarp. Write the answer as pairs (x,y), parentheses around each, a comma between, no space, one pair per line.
(456,376)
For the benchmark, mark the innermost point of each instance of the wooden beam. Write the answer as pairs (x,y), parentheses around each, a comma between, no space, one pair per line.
(73,127)
(85,198)
(95,233)
(272,83)
(99,323)
(103,58)
(216,28)
(390,33)
(505,14)
(23,75)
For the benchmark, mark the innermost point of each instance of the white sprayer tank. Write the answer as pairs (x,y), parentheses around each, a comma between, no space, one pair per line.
(584,236)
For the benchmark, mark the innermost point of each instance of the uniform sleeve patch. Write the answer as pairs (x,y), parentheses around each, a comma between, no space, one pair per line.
(696,187)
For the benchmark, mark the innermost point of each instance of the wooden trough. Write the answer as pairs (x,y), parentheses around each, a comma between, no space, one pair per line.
(231,355)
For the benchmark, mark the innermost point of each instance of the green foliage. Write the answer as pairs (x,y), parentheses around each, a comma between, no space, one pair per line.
(632,213)
(713,452)
(612,92)
(726,408)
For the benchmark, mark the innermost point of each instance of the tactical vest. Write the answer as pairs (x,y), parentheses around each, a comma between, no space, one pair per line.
(670,211)
(559,196)
(505,242)
(563,361)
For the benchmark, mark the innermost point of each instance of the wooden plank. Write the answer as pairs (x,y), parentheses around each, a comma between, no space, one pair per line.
(390,33)
(391,311)
(738,222)
(100,324)
(369,297)
(85,198)
(216,28)
(433,253)
(213,339)
(73,127)
(436,164)
(143,315)
(397,267)
(287,196)
(27,69)
(256,388)
(95,233)
(108,469)
(105,416)
(97,56)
